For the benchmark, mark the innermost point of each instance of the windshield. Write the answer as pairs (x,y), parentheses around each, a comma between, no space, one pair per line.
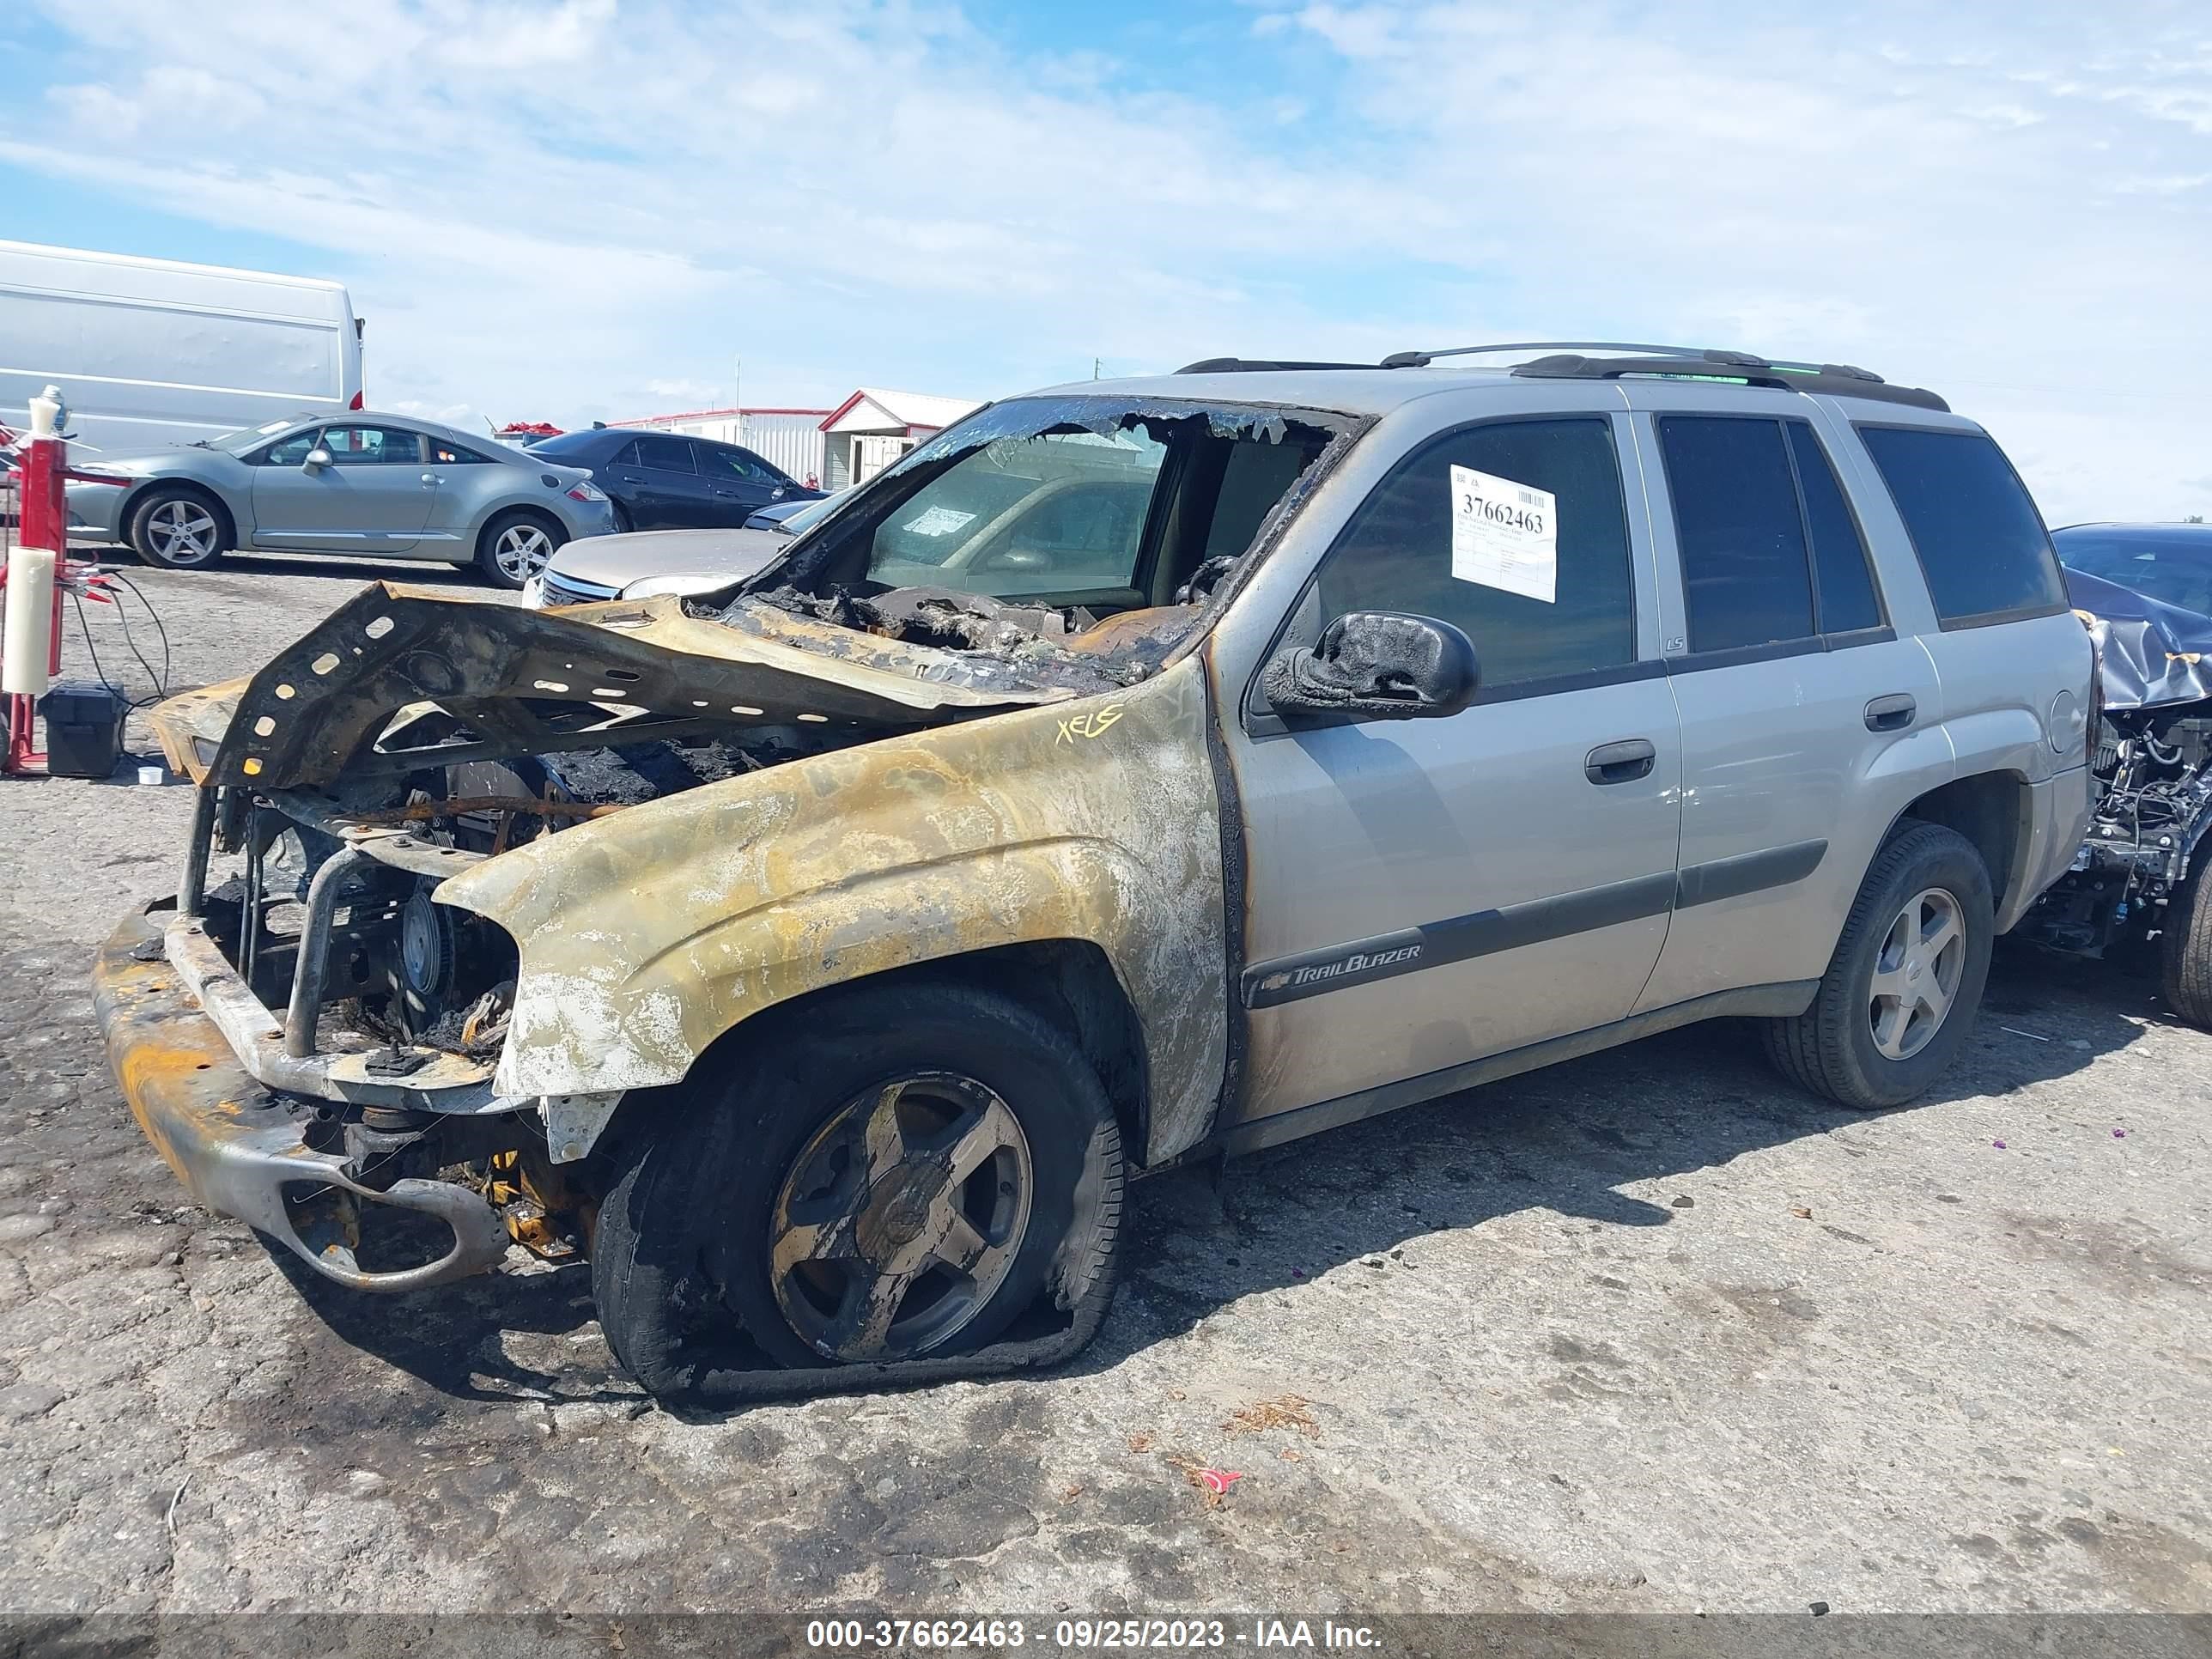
(237,443)
(2174,566)
(1057,511)
(1063,511)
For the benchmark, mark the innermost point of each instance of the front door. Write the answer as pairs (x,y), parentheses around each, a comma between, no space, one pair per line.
(374,496)
(1425,892)
(740,485)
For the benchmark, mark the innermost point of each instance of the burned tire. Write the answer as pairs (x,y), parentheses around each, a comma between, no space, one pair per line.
(1906,980)
(177,527)
(890,1179)
(2185,953)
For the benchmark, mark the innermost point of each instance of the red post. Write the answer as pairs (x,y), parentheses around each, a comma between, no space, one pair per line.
(44,520)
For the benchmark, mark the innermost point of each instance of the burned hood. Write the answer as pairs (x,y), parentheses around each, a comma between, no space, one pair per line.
(349,696)
(2150,653)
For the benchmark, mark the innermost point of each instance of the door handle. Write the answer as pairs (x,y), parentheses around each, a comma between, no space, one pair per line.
(1621,763)
(432,479)
(1891,714)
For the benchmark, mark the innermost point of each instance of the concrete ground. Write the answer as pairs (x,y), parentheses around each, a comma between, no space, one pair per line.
(1649,1332)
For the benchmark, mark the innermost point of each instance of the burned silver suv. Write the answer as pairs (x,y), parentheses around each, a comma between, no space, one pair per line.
(1136,771)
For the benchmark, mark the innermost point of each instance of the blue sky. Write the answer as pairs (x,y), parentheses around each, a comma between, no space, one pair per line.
(568,209)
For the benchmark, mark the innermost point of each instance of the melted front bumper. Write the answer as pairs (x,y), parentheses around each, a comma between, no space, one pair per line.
(239,1148)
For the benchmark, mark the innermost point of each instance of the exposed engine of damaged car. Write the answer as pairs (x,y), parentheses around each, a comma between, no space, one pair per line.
(2145,593)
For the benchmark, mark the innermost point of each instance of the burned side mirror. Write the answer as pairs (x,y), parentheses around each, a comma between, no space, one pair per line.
(1376,665)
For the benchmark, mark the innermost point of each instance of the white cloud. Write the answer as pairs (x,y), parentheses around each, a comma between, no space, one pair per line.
(572,209)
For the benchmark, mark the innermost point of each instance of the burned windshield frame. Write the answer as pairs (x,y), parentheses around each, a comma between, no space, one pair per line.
(819,556)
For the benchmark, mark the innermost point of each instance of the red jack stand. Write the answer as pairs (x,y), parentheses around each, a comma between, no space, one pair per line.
(43,519)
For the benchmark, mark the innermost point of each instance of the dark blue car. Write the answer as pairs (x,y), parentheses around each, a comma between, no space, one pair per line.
(663,481)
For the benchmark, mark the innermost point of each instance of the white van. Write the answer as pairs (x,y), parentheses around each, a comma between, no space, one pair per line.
(150,352)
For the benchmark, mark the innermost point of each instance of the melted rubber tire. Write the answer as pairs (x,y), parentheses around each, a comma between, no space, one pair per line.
(2185,953)
(679,1260)
(1829,1049)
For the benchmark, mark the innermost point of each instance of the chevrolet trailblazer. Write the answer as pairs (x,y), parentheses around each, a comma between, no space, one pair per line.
(1135,771)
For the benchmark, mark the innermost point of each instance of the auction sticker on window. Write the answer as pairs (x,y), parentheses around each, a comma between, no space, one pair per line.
(1505,535)
(937,521)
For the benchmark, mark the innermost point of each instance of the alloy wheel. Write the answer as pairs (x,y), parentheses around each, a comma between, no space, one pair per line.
(1916,974)
(522,551)
(182,532)
(900,1219)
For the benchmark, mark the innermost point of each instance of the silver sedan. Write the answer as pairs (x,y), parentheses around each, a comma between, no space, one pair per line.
(382,485)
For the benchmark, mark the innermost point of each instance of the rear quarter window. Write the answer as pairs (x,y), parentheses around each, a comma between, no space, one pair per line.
(1982,544)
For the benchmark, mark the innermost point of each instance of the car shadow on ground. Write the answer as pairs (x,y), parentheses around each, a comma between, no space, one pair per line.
(336,566)
(1197,1240)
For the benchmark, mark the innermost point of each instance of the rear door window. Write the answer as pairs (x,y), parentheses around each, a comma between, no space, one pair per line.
(1770,551)
(1981,542)
(1844,596)
(666,454)
(1745,578)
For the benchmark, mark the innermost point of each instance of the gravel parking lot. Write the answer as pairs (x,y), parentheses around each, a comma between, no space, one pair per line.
(1649,1332)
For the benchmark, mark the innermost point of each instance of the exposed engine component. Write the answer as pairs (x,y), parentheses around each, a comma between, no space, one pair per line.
(2152,810)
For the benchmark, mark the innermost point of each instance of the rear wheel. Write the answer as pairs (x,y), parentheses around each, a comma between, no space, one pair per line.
(900,1174)
(177,528)
(517,545)
(2185,953)
(1902,990)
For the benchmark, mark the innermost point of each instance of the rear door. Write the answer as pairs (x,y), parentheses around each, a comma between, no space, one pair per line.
(658,477)
(375,496)
(1426,892)
(1810,715)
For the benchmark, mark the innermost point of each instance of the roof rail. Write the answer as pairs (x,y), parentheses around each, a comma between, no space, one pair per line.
(1422,359)
(1737,368)
(1672,362)
(1253,365)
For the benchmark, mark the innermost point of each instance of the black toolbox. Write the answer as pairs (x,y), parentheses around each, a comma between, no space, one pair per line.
(84,728)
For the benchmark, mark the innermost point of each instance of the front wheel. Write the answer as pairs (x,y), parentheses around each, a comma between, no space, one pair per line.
(177,529)
(516,546)
(1902,990)
(901,1173)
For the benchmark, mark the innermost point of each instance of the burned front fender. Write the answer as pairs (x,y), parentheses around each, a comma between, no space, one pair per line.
(646,935)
